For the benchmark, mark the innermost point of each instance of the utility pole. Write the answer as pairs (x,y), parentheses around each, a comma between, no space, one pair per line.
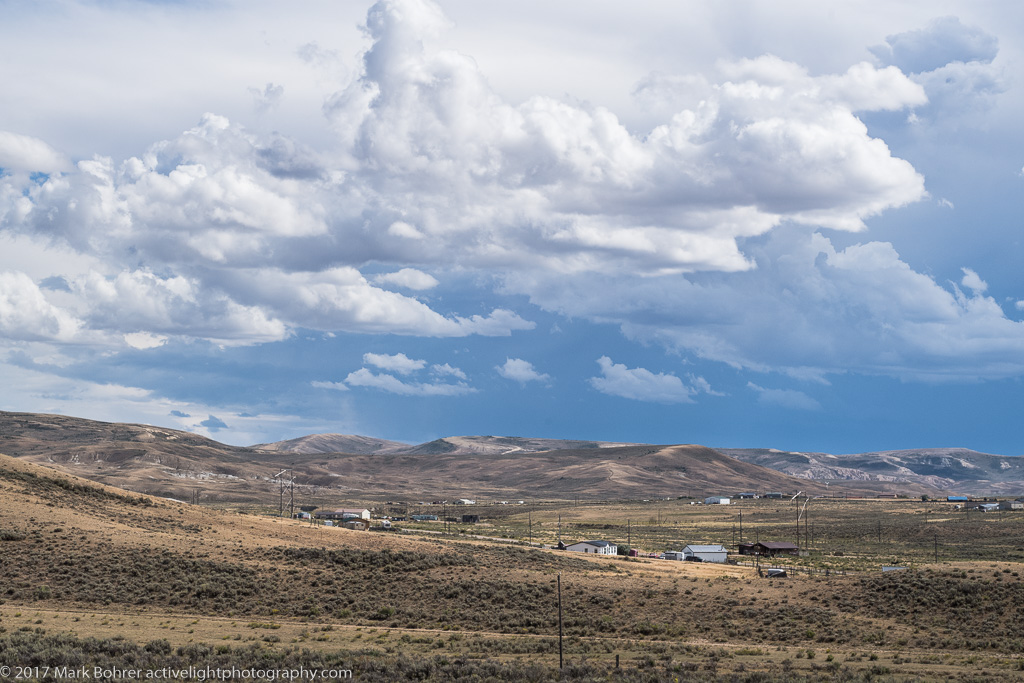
(560,663)
(291,492)
(741,527)
(531,527)
(629,535)
(280,510)
(798,527)
(807,526)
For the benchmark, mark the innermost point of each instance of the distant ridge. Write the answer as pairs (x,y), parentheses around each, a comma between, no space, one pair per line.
(460,445)
(483,445)
(172,463)
(334,443)
(945,469)
(176,464)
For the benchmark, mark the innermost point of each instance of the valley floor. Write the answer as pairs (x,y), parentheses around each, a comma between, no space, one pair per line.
(95,576)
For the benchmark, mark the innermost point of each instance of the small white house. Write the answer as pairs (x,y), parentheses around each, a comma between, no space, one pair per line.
(597,547)
(705,553)
(465,501)
(716,500)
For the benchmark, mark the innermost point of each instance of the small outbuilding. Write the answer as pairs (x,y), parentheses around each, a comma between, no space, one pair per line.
(773,548)
(705,553)
(356,524)
(716,500)
(597,547)
(1011,505)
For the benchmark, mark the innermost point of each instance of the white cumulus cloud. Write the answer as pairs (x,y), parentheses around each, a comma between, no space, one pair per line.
(410,278)
(26,314)
(521,371)
(973,281)
(447,370)
(28,154)
(391,384)
(398,362)
(437,384)
(640,384)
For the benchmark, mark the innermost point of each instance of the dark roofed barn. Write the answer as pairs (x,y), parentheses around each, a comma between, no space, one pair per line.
(772,548)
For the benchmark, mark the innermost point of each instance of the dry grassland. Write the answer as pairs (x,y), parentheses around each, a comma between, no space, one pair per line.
(92,571)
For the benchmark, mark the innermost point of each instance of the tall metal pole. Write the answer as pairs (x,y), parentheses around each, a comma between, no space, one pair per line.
(798,527)
(807,525)
(291,494)
(559,620)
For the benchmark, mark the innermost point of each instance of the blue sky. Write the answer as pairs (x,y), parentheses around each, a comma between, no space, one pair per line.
(755,224)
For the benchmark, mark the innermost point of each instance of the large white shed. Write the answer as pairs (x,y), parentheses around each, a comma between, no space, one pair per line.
(706,553)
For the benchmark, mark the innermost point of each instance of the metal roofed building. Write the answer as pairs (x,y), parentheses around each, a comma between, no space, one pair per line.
(706,553)
(598,547)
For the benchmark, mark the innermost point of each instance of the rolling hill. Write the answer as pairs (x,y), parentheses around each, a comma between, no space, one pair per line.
(333,443)
(174,464)
(338,467)
(958,470)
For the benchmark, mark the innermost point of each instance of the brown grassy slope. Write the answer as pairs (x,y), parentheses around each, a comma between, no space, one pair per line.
(36,500)
(171,463)
(67,544)
(163,462)
(333,443)
(496,445)
(605,473)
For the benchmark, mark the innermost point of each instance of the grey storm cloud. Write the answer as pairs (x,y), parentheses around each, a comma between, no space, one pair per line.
(945,40)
